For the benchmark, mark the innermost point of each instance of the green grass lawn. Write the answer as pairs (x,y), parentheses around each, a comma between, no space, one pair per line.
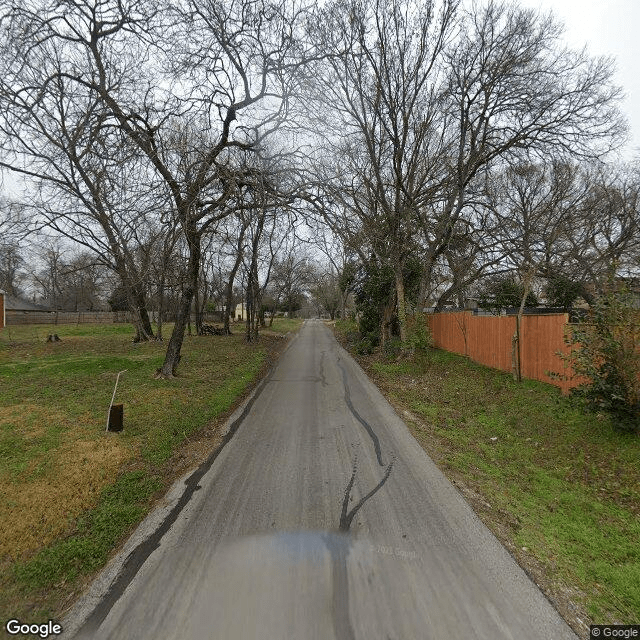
(284,325)
(69,492)
(560,486)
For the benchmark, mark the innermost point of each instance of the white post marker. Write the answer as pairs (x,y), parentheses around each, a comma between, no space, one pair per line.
(113,398)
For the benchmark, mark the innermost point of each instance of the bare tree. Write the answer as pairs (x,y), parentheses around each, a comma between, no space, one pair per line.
(86,181)
(175,80)
(48,279)
(513,85)
(606,238)
(382,96)
(12,268)
(292,276)
(429,101)
(236,240)
(271,226)
(325,290)
(537,207)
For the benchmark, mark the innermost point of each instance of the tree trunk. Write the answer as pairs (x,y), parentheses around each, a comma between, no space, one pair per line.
(252,301)
(138,309)
(227,307)
(257,303)
(125,268)
(232,277)
(229,294)
(516,351)
(402,307)
(160,308)
(253,285)
(196,306)
(250,310)
(172,357)
(386,319)
(144,330)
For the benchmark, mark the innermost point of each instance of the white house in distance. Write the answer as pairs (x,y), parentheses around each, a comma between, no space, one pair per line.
(241,312)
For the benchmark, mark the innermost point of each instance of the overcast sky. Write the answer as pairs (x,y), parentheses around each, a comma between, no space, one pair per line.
(607,27)
(612,28)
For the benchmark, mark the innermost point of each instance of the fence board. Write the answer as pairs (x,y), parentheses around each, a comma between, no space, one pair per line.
(488,339)
(65,317)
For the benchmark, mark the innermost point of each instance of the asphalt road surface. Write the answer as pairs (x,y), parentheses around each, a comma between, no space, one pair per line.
(321,518)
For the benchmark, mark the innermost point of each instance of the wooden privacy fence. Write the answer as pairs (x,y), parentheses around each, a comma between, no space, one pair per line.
(487,340)
(15,317)
(65,317)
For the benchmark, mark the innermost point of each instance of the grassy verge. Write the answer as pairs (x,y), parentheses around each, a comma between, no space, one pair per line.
(284,324)
(559,487)
(69,492)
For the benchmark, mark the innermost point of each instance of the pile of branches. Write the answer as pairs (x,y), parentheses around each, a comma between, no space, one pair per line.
(210,330)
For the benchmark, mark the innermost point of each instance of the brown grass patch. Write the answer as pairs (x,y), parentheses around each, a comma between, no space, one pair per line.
(36,511)
(28,419)
(53,478)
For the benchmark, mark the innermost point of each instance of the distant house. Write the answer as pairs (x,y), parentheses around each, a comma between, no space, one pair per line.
(241,312)
(19,311)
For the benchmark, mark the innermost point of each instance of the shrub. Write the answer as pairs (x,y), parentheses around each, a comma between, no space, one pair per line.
(563,292)
(374,292)
(505,291)
(366,345)
(418,334)
(608,355)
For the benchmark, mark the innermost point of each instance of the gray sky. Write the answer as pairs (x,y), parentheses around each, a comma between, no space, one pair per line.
(612,28)
(606,27)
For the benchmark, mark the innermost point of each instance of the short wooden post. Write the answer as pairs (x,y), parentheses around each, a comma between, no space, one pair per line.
(116,418)
(115,415)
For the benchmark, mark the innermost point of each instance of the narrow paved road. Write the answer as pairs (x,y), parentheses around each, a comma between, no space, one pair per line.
(323,518)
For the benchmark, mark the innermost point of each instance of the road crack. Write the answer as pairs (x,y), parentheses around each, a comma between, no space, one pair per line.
(346,516)
(358,417)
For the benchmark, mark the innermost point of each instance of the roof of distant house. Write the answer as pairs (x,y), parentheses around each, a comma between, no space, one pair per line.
(11,303)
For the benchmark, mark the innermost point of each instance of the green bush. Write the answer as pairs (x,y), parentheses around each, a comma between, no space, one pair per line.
(418,334)
(608,355)
(374,292)
(366,345)
(505,291)
(563,292)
